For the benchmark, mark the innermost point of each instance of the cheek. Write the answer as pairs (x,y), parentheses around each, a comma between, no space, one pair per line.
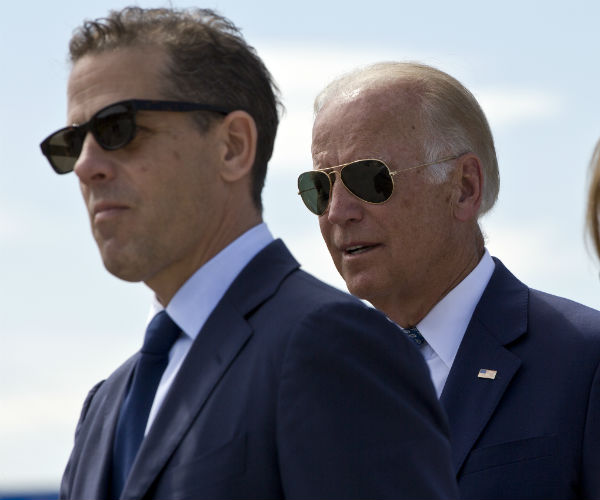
(85,193)
(325,228)
(175,156)
(83,189)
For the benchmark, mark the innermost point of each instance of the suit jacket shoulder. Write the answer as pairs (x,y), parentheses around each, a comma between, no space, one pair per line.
(531,431)
(291,389)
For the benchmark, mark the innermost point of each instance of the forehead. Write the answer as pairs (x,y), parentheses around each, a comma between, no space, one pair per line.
(368,123)
(97,80)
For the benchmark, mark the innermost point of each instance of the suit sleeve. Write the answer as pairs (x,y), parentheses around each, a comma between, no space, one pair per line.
(65,485)
(591,443)
(86,406)
(357,414)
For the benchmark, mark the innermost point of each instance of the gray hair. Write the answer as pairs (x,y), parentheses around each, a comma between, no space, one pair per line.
(453,120)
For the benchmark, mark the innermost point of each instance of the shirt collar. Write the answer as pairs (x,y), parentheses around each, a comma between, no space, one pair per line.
(444,326)
(193,303)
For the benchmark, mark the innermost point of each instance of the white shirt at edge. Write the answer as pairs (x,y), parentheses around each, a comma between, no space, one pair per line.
(445,325)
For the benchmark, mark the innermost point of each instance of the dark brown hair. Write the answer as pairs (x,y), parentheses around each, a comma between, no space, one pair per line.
(209,62)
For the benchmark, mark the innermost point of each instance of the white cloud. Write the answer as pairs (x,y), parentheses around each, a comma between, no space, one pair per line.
(302,70)
(507,106)
(543,257)
(301,67)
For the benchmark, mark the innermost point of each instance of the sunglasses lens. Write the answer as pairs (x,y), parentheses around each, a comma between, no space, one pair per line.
(370,180)
(114,127)
(314,189)
(62,149)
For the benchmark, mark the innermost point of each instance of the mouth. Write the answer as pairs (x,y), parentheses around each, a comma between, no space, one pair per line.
(358,249)
(107,209)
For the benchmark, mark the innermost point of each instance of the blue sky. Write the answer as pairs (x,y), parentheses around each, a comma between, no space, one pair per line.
(66,323)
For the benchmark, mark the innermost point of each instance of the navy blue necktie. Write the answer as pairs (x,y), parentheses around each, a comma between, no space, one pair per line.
(154,357)
(413,334)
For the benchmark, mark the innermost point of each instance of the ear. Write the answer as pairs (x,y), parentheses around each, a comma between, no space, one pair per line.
(468,184)
(239,136)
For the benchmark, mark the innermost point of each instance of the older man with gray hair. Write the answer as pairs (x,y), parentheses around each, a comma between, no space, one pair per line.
(404,166)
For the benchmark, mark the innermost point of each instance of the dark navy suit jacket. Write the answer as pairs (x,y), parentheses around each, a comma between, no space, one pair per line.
(291,389)
(534,430)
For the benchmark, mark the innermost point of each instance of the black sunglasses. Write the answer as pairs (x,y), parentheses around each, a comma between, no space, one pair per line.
(369,180)
(113,127)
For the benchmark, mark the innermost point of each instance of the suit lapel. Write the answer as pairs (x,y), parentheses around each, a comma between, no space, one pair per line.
(223,336)
(470,401)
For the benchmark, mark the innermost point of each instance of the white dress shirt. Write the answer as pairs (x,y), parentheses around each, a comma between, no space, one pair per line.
(444,326)
(193,303)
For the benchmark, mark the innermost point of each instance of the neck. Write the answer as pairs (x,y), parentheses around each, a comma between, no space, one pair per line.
(227,228)
(408,309)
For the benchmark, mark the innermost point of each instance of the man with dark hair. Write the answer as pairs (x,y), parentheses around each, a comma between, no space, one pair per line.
(404,166)
(255,380)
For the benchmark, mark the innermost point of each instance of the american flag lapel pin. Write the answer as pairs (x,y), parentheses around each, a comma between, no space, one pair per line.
(490,374)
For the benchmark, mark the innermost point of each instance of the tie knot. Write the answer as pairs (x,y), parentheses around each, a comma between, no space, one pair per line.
(160,335)
(414,334)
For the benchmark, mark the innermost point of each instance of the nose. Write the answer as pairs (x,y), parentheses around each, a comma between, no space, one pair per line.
(343,205)
(94,163)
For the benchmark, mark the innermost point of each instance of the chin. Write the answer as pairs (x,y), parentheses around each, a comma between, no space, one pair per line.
(360,287)
(123,273)
(123,258)
(123,268)
(372,288)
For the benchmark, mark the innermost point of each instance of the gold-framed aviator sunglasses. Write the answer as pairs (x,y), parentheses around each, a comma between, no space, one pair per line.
(370,180)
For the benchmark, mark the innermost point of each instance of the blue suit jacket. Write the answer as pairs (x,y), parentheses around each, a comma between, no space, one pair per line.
(534,430)
(291,389)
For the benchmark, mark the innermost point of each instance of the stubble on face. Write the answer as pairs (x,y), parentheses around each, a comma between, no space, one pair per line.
(164,181)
